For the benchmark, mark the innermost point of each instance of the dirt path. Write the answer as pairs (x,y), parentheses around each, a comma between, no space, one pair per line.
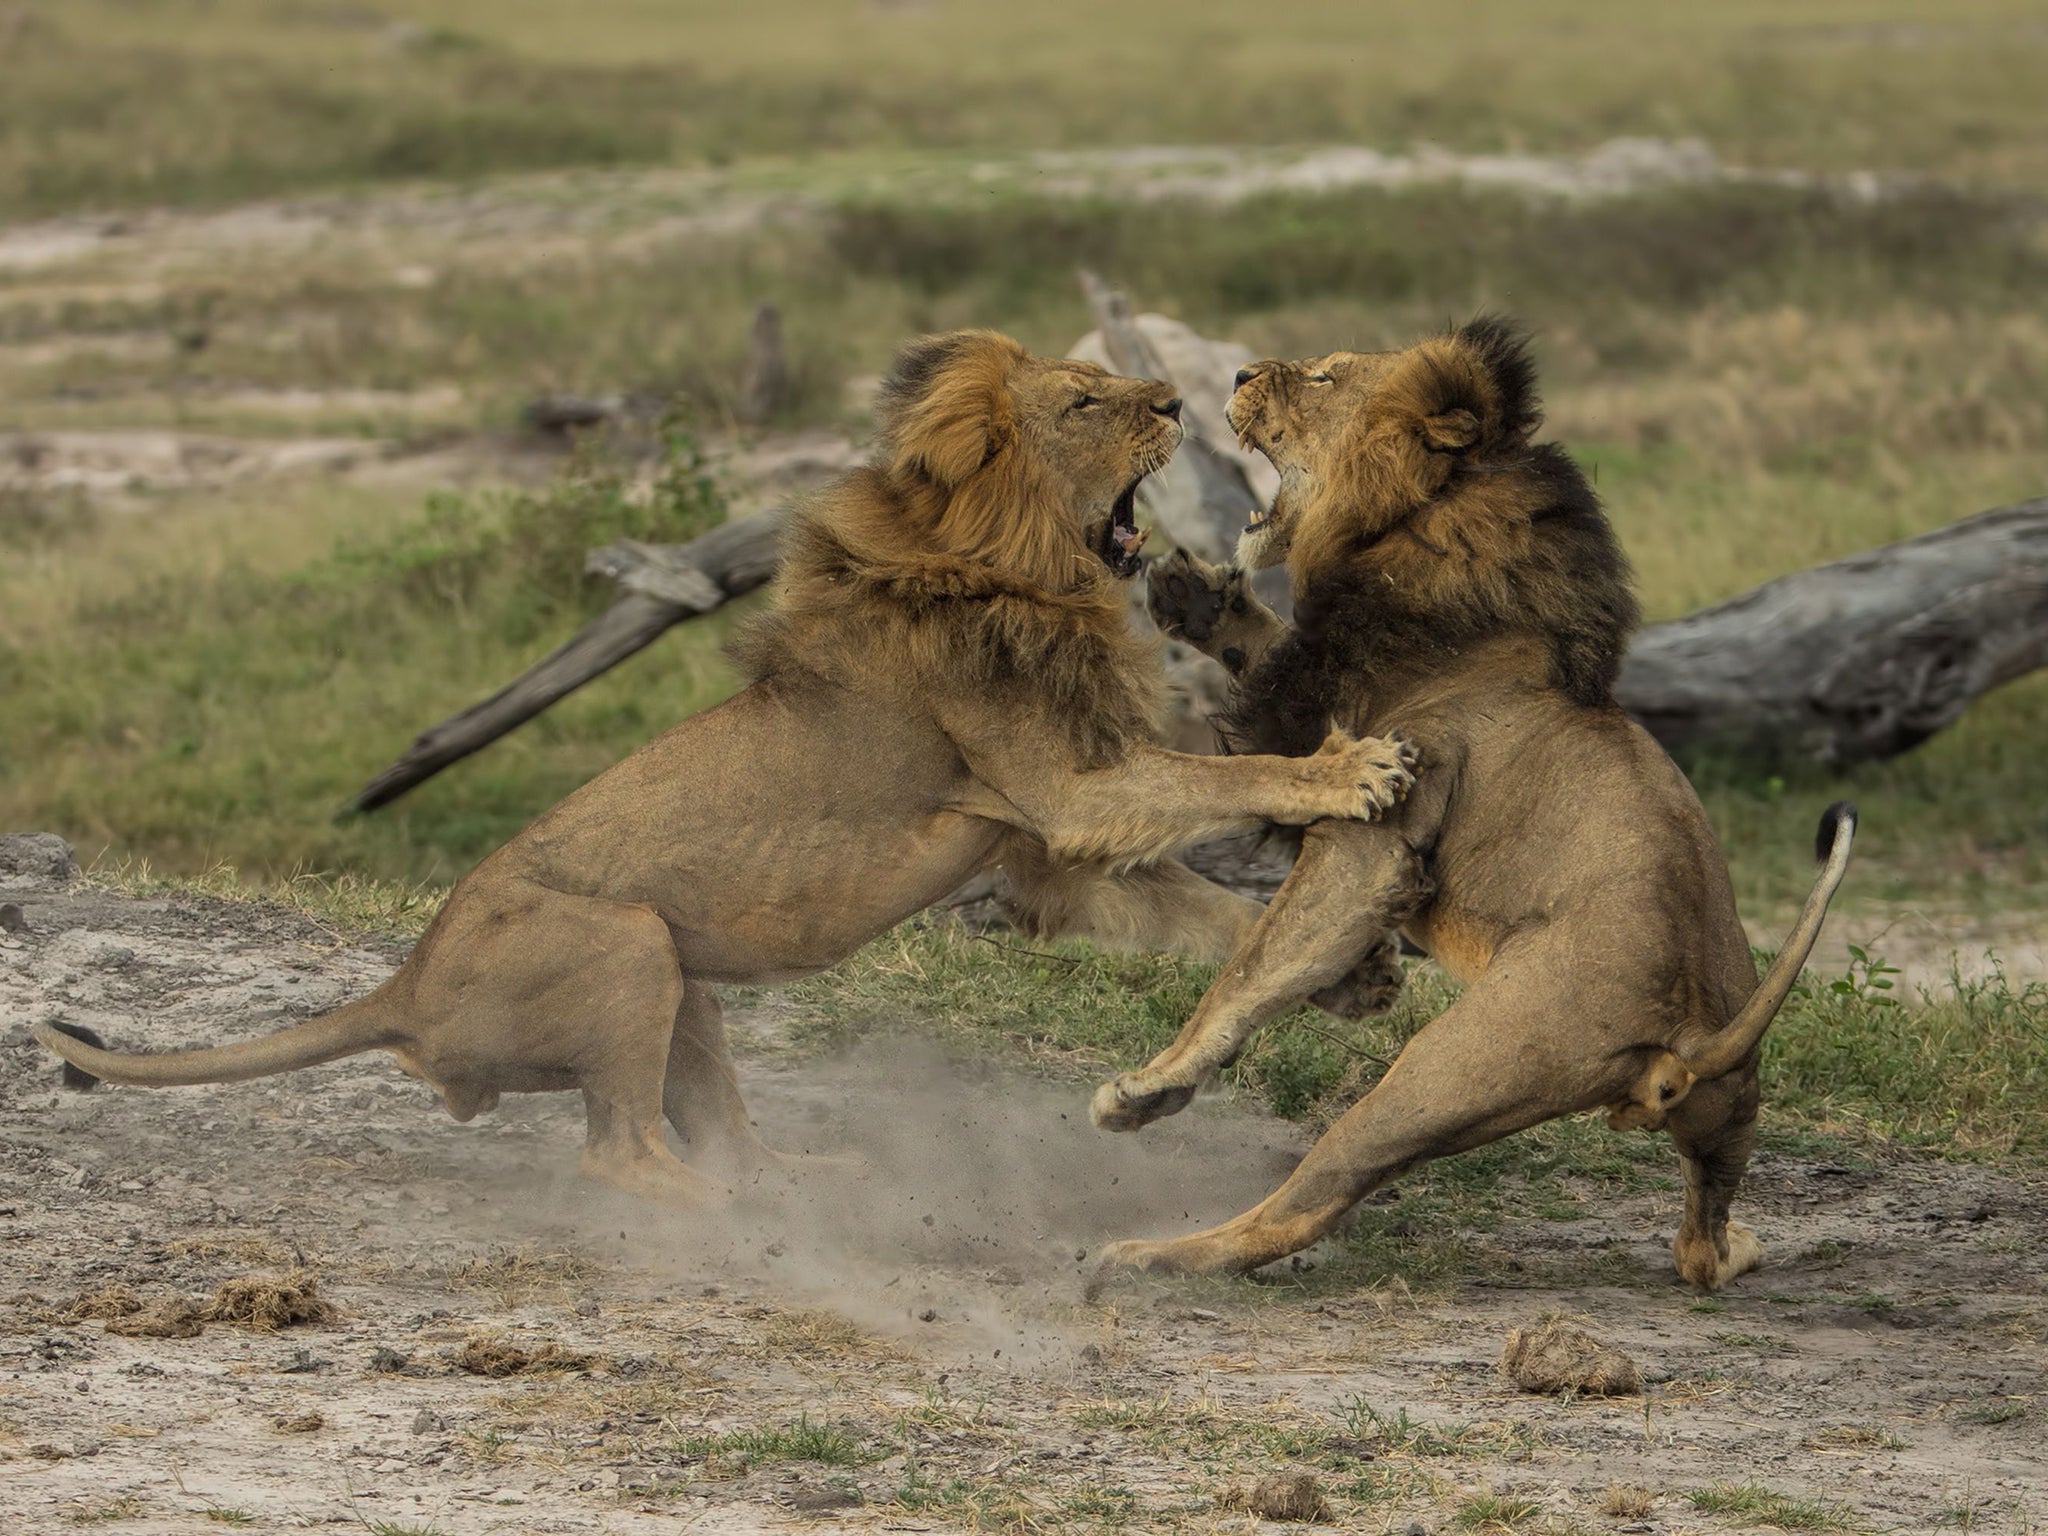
(907,1350)
(538,215)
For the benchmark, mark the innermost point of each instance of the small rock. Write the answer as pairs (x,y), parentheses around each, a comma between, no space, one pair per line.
(42,854)
(1560,1358)
(586,1306)
(299,1423)
(1287,1496)
(389,1362)
(428,1422)
(12,919)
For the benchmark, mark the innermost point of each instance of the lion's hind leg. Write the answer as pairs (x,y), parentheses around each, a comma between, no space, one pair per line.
(532,989)
(1715,1131)
(700,1094)
(1493,1063)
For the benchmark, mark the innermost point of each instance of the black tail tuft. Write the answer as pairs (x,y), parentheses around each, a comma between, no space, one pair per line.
(77,1078)
(1831,821)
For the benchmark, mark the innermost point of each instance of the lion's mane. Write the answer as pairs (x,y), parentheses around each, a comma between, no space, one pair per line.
(948,565)
(1406,558)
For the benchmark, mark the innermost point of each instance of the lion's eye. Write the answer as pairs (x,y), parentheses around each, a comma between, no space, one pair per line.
(1317,378)
(1085,401)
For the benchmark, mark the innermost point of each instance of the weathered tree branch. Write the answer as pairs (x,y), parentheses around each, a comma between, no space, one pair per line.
(1857,659)
(1203,497)
(663,584)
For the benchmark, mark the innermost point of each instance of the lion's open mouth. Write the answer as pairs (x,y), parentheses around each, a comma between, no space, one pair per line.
(1122,538)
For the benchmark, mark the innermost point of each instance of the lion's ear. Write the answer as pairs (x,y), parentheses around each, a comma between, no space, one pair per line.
(945,407)
(1451,431)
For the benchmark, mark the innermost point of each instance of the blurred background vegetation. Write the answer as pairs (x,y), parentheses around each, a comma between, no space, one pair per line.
(236,221)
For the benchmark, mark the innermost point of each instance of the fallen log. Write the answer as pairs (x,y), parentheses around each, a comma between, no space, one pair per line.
(1856,660)
(662,585)
(1852,661)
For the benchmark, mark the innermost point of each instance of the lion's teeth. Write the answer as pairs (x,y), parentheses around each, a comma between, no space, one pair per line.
(1130,540)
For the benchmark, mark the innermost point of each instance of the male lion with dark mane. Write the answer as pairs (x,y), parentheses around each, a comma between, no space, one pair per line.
(1457,584)
(947,682)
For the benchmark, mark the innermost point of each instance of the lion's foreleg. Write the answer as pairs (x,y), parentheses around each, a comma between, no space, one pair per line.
(1142,809)
(1350,886)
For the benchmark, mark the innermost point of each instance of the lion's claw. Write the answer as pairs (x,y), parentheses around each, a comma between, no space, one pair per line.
(1379,772)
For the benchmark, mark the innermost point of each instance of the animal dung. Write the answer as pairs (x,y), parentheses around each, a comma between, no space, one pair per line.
(1558,1357)
(270,1302)
(1287,1496)
(496,1354)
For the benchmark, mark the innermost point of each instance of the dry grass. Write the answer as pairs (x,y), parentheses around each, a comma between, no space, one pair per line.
(809,1333)
(515,1278)
(102,1303)
(211,99)
(1625,1501)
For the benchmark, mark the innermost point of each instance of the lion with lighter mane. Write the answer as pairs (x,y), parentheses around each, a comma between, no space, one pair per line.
(946,683)
(1457,584)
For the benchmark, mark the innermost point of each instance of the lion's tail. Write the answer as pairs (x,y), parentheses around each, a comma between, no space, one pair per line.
(1726,1049)
(358,1026)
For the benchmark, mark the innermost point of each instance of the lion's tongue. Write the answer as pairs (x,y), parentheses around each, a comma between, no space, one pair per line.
(1130,540)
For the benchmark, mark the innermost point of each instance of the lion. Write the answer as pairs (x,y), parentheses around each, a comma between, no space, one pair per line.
(947,682)
(1458,586)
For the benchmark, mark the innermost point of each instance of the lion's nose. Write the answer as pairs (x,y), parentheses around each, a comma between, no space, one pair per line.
(1168,408)
(1244,377)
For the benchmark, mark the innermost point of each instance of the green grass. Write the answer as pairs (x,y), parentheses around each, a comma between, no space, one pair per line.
(1494,1512)
(238,733)
(208,100)
(1397,1433)
(1754,1504)
(804,1440)
(1759,379)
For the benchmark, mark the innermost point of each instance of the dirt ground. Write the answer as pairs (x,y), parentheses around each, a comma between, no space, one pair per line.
(906,1349)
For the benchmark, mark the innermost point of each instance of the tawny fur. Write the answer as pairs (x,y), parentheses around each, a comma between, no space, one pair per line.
(1456,583)
(945,685)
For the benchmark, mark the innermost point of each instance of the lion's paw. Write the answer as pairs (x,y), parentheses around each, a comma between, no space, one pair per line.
(1371,774)
(1125,1257)
(1709,1265)
(1124,1106)
(1189,598)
